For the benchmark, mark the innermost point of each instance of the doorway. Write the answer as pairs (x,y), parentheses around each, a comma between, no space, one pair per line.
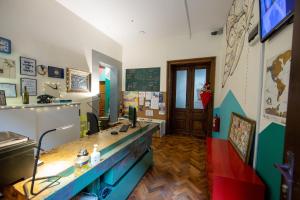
(104,91)
(186,113)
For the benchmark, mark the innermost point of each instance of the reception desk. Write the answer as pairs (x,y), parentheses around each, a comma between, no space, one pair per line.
(124,160)
(33,120)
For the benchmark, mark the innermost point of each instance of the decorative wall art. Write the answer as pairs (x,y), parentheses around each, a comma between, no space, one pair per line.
(27,66)
(276,87)
(31,85)
(5,45)
(10,89)
(42,70)
(78,81)
(241,132)
(237,25)
(7,68)
(2,98)
(55,72)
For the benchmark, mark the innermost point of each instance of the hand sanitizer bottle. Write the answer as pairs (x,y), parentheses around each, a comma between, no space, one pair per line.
(95,156)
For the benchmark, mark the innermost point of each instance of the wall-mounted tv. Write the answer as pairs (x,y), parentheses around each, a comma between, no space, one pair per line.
(273,15)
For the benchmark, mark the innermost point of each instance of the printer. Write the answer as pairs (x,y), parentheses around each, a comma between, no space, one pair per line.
(16,158)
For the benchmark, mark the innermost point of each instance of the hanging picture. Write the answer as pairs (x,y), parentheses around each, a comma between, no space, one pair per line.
(10,89)
(7,68)
(55,72)
(241,132)
(276,87)
(5,45)
(31,85)
(27,66)
(42,70)
(2,98)
(78,81)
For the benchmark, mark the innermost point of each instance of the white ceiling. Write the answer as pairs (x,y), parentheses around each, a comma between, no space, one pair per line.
(123,20)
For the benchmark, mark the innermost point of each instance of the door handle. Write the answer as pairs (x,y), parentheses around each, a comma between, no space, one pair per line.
(287,171)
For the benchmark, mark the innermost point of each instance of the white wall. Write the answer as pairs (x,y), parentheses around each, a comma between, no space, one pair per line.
(51,34)
(156,53)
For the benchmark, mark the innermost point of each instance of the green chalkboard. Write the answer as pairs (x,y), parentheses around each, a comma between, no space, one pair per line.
(143,79)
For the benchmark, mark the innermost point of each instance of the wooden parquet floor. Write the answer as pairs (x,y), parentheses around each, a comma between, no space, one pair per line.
(178,172)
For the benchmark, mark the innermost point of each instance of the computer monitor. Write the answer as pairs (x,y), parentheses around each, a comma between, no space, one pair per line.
(132,116)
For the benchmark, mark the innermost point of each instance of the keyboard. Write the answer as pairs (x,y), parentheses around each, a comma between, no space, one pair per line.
(124,128)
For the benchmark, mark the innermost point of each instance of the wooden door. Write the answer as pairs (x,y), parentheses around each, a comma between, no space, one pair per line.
(102,98)
(188,113)
(292,141)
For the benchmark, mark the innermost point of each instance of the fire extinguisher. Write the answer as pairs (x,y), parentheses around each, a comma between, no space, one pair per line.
(216,123)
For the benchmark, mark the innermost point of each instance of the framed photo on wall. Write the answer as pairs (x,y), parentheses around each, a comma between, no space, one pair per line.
(27,66)
(5,45)
(78,81)
(10,89)
(241,133)
(31,85)
(2,98)
(56,72)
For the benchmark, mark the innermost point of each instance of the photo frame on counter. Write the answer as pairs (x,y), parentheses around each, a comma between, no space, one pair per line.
(27,66)
(56,72)
(31,85)
(2,98)
(241,132)
(10,89)
(5,45)
(78,81)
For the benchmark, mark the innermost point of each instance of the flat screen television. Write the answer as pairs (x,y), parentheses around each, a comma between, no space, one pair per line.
(273,15)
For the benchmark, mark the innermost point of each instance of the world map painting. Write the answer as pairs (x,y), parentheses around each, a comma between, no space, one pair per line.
(276,87)
(237,25)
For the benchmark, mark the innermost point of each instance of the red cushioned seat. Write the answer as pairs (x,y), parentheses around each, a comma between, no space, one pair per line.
(229,177)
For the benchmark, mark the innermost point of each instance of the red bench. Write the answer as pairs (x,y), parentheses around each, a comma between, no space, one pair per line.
(229,177)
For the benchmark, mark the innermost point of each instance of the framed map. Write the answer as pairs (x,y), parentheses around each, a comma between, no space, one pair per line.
(78,81)
(276,87)
(241,135)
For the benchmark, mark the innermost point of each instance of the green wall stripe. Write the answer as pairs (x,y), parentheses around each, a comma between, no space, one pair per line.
(230,104)
(270,150)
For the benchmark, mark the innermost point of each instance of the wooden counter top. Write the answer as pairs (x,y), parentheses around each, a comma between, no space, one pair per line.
(61,160)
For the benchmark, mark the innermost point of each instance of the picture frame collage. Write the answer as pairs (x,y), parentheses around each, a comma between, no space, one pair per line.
(76,80)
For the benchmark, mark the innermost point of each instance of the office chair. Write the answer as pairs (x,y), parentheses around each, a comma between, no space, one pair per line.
(92,120)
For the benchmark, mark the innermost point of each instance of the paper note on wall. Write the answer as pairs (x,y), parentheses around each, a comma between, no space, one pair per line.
(148,95)
(155,100)
(141,98)
(149,113)
(162,109)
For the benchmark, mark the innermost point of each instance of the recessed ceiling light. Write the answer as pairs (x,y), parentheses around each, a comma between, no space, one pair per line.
(142,32)
(132,20)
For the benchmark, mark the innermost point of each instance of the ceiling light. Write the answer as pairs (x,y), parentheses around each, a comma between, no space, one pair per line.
(142,32)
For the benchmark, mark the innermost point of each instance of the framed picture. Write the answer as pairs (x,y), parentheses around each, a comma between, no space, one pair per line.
(78,81)
(7,68)
(5,45)
(10,89)
(241,135)
(31,85)
(55,72)
(2,98)
(27,66)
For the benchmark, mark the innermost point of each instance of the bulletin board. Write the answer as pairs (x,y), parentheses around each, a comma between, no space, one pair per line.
(133,99)
(143,79)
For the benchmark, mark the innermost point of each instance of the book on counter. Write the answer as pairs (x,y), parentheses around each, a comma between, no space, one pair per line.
(9,138)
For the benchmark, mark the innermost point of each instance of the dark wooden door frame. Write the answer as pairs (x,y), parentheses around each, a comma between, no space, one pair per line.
(292,142)
(172,63)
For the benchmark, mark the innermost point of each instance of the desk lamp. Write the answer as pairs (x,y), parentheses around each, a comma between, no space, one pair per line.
(53,179)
